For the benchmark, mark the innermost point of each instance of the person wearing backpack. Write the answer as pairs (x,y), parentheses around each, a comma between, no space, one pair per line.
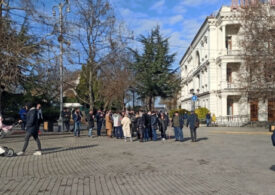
(193,123)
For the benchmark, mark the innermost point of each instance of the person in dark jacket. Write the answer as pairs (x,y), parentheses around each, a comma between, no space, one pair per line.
(141,125)
(163,124)
(39,115)
(99,121)
(185,117)
(208,119)
(32,130)
(66,119)
(177,123)
(23,116)
(148,128)
(90,119)
(154,125)
(77,120)
(193,122)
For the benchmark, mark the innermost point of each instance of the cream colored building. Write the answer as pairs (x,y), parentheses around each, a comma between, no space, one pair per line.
(210,69)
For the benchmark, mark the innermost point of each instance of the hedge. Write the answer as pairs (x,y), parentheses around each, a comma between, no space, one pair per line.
(201,112)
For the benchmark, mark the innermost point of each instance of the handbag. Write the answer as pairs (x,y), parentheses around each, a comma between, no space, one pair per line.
(273,138)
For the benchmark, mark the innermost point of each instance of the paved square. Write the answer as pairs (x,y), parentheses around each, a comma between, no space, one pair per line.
(224,161)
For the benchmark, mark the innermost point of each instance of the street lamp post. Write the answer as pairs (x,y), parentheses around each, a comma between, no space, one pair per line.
(61,40)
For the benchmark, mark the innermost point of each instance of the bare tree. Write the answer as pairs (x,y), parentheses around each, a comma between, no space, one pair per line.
(258,43)
(95,23)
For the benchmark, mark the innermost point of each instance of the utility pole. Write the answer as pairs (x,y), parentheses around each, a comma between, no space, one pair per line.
(61,41)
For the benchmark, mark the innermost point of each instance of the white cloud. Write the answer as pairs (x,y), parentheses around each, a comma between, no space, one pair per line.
(197,2)
(175,19)
(159,6)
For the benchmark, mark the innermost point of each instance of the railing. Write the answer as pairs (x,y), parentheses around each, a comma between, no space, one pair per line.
(228,85)
(233,120)
(233,52)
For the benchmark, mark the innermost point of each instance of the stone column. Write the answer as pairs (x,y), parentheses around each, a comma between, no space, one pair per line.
(223,82)
(224,105)
(223,39)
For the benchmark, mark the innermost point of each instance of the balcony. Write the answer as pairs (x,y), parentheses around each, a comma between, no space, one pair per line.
(228,85)
(231,52)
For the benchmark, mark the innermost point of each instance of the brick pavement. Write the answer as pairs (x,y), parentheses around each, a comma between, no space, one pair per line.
(217,164)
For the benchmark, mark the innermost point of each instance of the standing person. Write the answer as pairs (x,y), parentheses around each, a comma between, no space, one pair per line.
(185,117)
(39,115)
(148,129)
(77,119)
(193,122)
(208,119)
(154,125)
(135,125)
(23,116)
(32,130)
(109,123)
(126,122)
(99,121)
(178,123)
(67,118)
(117,125)
(141,125)
(163,124)
(213,119)
(91,121)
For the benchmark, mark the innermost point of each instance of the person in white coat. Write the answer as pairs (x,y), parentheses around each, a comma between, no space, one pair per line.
(126,121)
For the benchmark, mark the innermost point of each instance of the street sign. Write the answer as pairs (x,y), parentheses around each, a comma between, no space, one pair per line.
(194,98)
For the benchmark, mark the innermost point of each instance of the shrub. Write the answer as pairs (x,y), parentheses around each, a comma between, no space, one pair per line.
(201,112)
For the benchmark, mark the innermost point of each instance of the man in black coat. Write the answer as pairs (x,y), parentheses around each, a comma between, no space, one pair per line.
(67,118)
(141,125)
(99,121)
(90,119)
(193,123)
(32,130)
(154,125)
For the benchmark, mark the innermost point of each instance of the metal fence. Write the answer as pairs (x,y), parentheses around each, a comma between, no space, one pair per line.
(233,120)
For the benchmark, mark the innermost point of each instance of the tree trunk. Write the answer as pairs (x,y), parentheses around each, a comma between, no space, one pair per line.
(150,103)
(91,93)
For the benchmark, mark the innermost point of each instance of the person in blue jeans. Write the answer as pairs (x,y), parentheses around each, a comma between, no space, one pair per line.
(77,119)
(177,123)
(208,119)
(154,125)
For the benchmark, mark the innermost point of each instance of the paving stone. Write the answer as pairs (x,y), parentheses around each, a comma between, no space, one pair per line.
(221,162)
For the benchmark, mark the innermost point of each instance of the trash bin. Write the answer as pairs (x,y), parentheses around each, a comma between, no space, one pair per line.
(48,126)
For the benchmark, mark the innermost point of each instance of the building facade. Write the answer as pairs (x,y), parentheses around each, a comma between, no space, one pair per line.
(210,69)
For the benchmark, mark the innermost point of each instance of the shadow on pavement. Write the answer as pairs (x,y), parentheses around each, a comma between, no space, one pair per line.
(272,168)
(51,149)
(202,139)
(59,149)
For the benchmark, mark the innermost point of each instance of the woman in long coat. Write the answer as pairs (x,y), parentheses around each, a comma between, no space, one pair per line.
(109,124)
(126,122)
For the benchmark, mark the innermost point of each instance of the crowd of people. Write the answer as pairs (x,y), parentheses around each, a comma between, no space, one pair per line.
(129,124)
(120,125)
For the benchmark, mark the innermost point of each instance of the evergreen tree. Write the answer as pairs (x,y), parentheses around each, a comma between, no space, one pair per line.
(153,68)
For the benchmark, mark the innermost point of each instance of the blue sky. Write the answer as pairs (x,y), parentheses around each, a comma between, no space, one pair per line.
(178,19)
